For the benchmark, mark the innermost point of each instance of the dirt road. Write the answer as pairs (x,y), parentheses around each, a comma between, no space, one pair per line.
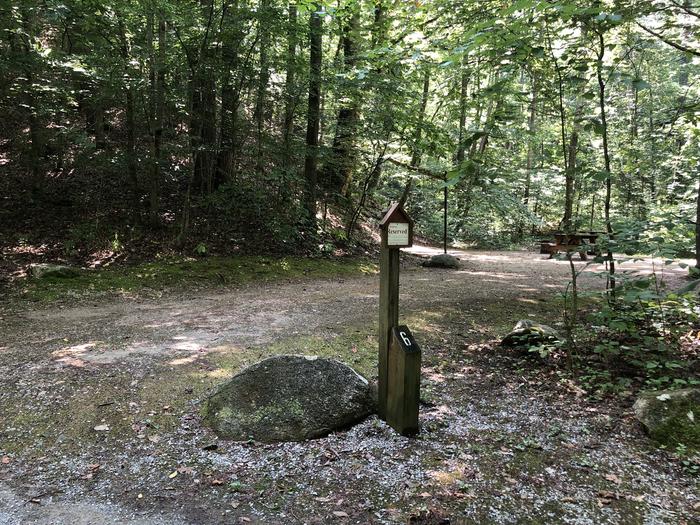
(501,442)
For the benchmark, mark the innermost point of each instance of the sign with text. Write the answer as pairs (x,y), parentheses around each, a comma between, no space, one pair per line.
(397,234)
(405,339)
(396,228)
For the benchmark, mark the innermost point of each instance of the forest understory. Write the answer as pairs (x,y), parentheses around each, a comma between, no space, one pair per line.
(102,395)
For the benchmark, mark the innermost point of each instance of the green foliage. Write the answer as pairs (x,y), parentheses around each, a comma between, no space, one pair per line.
(643,336)
(192,120)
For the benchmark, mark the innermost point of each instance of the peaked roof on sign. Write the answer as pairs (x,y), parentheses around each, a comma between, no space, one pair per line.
(394,210)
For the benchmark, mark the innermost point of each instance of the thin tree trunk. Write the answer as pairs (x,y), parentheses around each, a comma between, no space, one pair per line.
(290,90)
(380,32)
(30,100)
(203,108)
(156,101)
(263,79)
(230,99)
(464,83)
(697,229)
(340,168)
(570,175)
(130,111)
(531,129)
(606,157)
(313,118)
(416,155)
(100,140)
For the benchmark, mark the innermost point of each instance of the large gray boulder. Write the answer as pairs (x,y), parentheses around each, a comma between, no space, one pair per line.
(442,260)
(42,270)
(529,333)
(289,398)
(671,417)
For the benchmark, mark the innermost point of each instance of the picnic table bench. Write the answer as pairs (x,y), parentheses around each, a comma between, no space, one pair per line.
(583,242)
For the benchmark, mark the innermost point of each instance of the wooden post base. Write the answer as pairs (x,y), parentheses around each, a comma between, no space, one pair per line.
(403,390)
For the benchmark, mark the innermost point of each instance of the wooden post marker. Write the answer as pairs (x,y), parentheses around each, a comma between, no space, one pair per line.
(397,232)
(403,392)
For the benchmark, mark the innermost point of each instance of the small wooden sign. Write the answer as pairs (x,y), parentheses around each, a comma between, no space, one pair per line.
(403,391)
(396,228)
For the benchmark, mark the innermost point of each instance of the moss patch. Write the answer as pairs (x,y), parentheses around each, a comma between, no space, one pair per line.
(671,417)
(356,348)
(189,272)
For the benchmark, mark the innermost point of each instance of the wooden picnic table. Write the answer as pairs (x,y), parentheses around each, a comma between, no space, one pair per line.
(584,242)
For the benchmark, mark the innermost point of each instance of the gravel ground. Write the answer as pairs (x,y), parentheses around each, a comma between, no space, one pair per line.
(99,411)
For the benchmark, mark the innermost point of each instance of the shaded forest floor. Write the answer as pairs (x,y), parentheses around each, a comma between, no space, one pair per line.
(503,439)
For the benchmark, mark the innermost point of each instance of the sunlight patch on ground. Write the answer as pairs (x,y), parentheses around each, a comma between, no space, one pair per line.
(526,300)
(495,276)
(75,355)
(184,344)
(201,352)
(526,288)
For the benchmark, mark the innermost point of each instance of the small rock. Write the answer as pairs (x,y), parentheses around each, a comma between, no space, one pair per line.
(670,417)
(42,270)
(442,260)
(289,398)
(529,333)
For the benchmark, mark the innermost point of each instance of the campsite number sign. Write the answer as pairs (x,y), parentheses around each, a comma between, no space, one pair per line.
(399,354)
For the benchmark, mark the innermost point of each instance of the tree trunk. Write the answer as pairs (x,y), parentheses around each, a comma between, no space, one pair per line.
(290,90)
(156,103)
(313,118)
(416,155)
(606,158)
(531,129)
(30,100)
(570,175)
(130,112)
(263,79)
(339,170)
(464,83)
(697,229)
(230,99)
(203,108)
(100,139)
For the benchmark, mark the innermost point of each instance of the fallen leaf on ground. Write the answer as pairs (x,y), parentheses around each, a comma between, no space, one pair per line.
(101,428)
(613,478)
(340,514)
(217,482)
(172,474)
(5,460)
(322,500)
